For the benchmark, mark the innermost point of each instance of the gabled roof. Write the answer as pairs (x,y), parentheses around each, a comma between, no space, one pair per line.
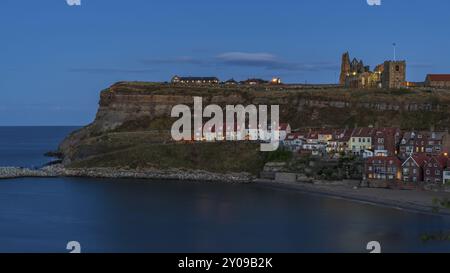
(385,160)
(419,159)
(363,132)
(439,77)
(442,161)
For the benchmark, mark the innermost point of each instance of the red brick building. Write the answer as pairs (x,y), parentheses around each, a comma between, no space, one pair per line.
(433,169)
(429,143)
(385,141)
(383,168)
(438,80)
(412,169)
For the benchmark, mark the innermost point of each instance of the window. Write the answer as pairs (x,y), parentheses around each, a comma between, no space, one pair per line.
(428,172)
(397,68)
(437,172)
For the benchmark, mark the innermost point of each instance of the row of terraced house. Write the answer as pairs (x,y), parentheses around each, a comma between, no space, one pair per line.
(389,153)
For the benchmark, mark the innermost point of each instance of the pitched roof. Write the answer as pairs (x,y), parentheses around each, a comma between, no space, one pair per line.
(385,160)
(419,159)
(439,77)
(363,132)
(442,161)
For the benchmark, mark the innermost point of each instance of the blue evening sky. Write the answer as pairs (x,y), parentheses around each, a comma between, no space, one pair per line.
(55,58)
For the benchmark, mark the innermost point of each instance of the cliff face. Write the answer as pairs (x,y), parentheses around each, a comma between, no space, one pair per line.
(134,106)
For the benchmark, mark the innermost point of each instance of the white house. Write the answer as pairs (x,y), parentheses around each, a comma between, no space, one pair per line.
(446,177)
(293,141)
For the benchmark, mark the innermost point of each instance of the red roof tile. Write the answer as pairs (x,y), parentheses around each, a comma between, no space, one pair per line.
(439,77)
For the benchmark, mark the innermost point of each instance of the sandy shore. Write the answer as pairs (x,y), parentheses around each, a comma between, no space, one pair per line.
(408,200)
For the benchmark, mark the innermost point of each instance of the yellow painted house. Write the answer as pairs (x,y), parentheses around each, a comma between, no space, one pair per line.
(360,140)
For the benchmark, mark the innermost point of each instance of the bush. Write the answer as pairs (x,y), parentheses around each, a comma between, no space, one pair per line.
(280,155)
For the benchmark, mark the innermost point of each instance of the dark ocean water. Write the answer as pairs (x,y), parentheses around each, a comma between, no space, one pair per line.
(42,215)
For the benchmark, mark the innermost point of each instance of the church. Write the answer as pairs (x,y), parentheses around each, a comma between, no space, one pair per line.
(354,74)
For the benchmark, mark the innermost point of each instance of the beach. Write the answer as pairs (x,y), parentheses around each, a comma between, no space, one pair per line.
(410,200)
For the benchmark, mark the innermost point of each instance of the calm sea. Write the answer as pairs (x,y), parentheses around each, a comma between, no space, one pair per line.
(103,215)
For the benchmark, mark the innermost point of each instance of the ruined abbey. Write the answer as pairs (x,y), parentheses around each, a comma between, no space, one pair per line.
(354,74)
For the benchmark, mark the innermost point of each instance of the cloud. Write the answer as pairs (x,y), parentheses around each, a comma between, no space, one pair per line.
(178,60)
(271,62)
(265,61)
(111,71)
(251,59)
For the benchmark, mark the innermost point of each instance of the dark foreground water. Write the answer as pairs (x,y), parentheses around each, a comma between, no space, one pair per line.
(42,215)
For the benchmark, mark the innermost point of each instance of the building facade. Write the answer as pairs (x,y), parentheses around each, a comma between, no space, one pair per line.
(433,169)
(412,171)
(415,142)
(438,80)
(361,140)
(195,80)
(394,74)
(386,168)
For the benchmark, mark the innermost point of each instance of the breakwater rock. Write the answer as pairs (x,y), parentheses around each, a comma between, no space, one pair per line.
(173,174)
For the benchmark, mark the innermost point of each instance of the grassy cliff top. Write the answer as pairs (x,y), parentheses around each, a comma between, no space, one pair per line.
(320,92)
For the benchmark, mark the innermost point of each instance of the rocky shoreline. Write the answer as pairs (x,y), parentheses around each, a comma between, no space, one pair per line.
(59,170)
